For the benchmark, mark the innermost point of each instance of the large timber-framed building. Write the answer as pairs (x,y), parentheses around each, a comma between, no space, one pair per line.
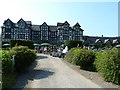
(25,30)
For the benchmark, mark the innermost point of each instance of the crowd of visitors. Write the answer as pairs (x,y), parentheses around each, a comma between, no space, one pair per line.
(60,51)
(54,51)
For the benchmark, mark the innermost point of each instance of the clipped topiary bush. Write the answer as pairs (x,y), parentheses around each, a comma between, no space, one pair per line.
(23,57)
(108,64)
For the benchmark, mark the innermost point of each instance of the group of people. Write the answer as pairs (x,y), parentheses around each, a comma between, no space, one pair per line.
(44,49)
(53,50)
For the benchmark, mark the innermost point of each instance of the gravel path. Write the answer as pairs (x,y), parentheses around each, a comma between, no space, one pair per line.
(51,72)
(94,77)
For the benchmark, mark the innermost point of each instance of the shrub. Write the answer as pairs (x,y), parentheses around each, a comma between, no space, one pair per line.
(73,43)
(23,57)
(108,64)
(8,75)
(70,55)
(8,80)
(76,55)
(84,58)
(7,65)
(28,43)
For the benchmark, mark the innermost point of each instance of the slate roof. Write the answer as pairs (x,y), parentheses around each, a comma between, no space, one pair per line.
(28,22)
(115,41)
(92,39)
(66,22)
(97,40)
(36,27)
(52,28)
(59,24)
(12,24)
(21,20)
(107,40)
(77,24)
(44,23)
(7,20)
(81,29)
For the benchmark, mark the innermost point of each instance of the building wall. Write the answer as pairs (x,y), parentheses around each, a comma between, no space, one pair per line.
(91,40)
(22,30)
(15,31)
(54,34)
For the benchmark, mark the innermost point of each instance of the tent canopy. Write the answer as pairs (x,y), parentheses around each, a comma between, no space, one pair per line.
(45,44)
(35,44)
(6,44)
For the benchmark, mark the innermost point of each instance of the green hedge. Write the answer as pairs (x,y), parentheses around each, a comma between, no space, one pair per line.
(70,56)
(27,43)
(23,57)
(108,64)
(8,75)
(87,58)
(84,58)
(7,65)
(73,43)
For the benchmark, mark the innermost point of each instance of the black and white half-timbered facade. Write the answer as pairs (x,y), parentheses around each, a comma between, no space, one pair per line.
(25,30)
(20,30)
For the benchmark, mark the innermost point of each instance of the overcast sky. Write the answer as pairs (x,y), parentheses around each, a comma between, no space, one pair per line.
(96,18)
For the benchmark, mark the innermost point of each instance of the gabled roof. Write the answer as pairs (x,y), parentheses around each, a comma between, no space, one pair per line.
(36,27)
(97,40)
(77,24)
(21,20)
(107,40)
(44,23)
(8,20)
(81,29)
(66,23)
(115,41)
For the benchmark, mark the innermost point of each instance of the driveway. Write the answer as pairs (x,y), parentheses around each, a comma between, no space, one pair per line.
(52,72)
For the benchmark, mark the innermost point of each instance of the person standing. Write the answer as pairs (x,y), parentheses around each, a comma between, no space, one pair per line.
(64,51)
(45,50)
